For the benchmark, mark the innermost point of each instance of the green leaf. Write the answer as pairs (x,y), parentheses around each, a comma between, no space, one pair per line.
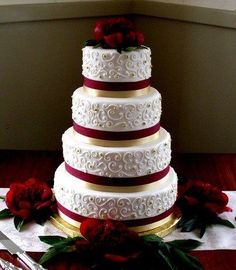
(169,263)
(203,227)
(53,252)
(152,238)
(59,242)
(91,42)
(189,225)
(224,222)
(3,197)
(51,240)
(185,245)
(18,222)
(41,217)
(186,261)
(97,45)
(5,213)
(129,49)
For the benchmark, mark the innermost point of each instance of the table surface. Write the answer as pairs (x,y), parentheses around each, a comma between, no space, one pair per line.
(218,169)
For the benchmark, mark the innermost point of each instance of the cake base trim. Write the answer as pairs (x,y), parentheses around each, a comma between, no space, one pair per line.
(110,143)
(161,229)
(108,181)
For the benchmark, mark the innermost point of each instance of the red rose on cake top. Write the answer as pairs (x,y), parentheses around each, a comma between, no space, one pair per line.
(116,33)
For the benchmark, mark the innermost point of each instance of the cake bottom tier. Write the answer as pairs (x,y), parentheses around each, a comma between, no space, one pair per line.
(140,207)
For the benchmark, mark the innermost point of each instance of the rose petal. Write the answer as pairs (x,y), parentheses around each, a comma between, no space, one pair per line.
(116,258)
(40,205)
(88,225)
(23,213)
(46,194)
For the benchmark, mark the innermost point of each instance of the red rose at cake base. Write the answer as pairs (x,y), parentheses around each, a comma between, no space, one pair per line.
(204,197)
(112,239)
(25,200)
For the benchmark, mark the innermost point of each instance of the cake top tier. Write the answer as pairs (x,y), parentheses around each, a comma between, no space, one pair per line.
(116,54)
(108,65)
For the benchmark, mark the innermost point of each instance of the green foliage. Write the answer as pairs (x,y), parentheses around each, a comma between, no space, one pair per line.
(173,255)
(18,222)
(162,255)
(59,245)
(5,213)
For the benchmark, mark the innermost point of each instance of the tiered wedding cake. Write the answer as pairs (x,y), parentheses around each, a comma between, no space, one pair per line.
(116,154)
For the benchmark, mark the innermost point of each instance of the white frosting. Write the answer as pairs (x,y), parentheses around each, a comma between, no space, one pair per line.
(111,66)
(119,162)
(116,114)
(114,205)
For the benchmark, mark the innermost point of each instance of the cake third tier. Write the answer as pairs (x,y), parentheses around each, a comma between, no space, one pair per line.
(151,158)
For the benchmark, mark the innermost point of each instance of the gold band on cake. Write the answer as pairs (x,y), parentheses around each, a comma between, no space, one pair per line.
(115,94)
(121,143)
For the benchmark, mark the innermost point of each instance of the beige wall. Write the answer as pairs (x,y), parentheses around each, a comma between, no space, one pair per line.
(194,67)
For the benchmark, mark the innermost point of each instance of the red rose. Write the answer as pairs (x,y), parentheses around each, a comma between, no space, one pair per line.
(98,31)
(89,227)
(121,258)
(204,197)
(119,24)
(27,199)
(113,40)
(112,238)
(131,37)
(117,33)
(139,38)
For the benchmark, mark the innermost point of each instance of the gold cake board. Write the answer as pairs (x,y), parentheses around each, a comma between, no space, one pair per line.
(161,230)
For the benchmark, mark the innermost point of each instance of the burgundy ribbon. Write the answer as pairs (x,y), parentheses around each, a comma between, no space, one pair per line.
(130,223)
(116,136)
(114,86)
(115,181)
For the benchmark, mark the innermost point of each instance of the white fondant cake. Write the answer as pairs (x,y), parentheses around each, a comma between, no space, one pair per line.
(123,204)
(109,172)
(132,161)
(111,66)
(116,114)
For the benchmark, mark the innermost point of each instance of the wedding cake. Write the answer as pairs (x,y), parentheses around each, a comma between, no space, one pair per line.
(116,154)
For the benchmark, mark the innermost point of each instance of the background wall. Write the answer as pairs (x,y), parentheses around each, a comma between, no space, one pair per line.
(194,67)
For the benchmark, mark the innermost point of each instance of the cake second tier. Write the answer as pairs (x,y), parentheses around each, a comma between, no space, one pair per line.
(100,116)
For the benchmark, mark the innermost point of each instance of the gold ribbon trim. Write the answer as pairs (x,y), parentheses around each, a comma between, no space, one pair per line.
(161,224)
(123,143)
(153,225)
(115,94)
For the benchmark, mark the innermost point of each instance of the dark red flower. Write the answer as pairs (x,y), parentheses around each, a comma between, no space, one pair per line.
(27,199)
(98,30)
(204,197)
(139,38)
(88,228)
(114,40)
(117,33)
(122,258)
(112,239)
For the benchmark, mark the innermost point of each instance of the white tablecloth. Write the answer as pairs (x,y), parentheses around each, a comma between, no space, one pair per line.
(216,237)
